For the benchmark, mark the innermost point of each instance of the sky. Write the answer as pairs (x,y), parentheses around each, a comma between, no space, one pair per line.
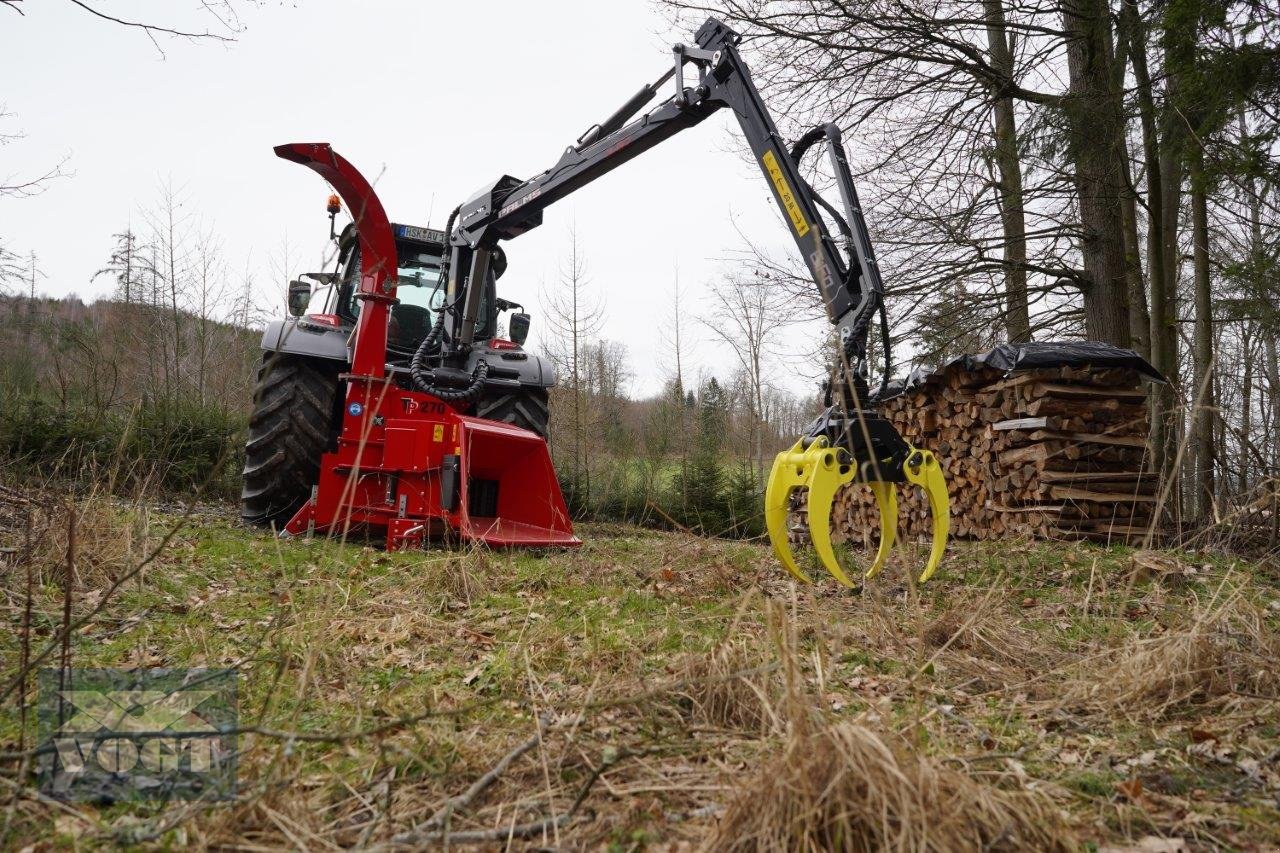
(432,100)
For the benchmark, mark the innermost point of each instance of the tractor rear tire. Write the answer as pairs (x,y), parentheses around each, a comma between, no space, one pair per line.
(528,409)
(293,422)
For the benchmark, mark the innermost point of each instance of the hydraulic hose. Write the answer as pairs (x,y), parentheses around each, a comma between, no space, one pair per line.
(798,150)
(423,377)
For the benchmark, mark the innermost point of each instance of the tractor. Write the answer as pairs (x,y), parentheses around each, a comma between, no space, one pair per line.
(298,400)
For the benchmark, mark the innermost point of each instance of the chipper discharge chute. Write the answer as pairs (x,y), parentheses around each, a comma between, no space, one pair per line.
(413,456)
(409,459)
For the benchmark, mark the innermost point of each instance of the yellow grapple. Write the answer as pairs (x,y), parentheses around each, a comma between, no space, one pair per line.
(814,463)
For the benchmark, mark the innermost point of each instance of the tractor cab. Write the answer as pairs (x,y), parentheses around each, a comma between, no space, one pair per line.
(421,293)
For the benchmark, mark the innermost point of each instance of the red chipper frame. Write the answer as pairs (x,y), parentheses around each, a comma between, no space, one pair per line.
(407,461)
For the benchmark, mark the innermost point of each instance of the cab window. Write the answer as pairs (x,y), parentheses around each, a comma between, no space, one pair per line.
(418,289)
(421,294)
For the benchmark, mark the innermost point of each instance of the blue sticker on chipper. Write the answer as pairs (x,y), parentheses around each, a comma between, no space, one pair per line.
(355,409)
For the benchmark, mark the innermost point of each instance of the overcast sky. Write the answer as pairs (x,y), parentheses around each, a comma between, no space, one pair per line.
(436,99)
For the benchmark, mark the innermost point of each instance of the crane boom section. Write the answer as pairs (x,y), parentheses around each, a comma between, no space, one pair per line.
(509,207)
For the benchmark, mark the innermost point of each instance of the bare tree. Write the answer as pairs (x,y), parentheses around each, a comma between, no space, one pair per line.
(15,186)
(127,266)
(225,15)
(750,315)
(11,269)
(1000,48)
(674,338)
(209,292)
(574,317)
(169,270)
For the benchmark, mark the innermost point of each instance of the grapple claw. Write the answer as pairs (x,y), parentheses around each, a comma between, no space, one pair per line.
(887,501)
(823,469)
(790,472)
(922,469)
(825,479)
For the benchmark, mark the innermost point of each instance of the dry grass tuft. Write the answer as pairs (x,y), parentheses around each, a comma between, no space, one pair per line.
(465,575)
(846,788)
(733,687)
(1217,651)
(108,540)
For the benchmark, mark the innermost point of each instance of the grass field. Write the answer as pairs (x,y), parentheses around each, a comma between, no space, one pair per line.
(658,690)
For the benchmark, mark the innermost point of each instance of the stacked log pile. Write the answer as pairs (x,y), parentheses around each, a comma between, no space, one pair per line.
(1055,453)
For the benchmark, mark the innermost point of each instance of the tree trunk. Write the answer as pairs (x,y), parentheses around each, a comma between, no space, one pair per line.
(1202,416)
(1273,391)
(681,409)
(1163,321)
(1129,36)
(1017,315)
(1246,406)
(1096,141)
(1139,316)
(1173,135)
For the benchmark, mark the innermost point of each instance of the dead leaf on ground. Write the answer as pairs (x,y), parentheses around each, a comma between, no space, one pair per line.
(1150,564)
(475,673)
(1131,789)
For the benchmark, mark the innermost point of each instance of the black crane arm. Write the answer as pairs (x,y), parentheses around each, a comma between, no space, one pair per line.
(843,265)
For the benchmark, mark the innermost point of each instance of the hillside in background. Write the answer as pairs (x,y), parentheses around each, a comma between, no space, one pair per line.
(111,354)
(146,392)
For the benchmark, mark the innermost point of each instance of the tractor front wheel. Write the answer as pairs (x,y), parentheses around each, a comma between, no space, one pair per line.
(293,423)
(528,409)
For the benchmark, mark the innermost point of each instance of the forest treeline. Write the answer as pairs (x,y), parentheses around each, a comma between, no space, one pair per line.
(149,385)
(1102,169)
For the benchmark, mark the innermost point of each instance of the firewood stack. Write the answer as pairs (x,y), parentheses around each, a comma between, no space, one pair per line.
(1052,452)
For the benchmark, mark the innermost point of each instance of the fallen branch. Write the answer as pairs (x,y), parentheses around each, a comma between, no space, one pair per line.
(463,800)
(478,836)
(522,830)
(677,525)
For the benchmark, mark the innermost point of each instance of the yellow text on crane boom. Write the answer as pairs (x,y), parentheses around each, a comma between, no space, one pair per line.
(787,198)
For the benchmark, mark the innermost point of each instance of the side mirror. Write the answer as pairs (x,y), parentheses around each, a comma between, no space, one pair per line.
(518,328)
(298,296)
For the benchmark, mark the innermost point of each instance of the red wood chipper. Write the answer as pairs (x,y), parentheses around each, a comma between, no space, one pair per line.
(410,461)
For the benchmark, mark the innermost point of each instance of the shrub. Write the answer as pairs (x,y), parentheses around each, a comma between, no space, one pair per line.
(184,448)
(744,504)
(190,446)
